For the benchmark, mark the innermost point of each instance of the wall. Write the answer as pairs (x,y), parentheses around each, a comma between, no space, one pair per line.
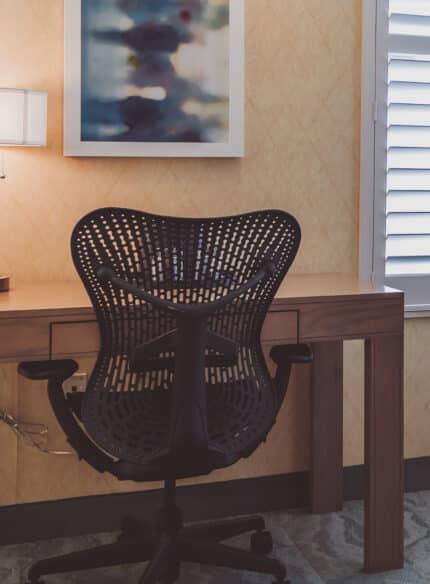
(302,140)
(303,127)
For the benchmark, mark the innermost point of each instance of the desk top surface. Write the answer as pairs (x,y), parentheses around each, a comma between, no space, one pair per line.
(63,298)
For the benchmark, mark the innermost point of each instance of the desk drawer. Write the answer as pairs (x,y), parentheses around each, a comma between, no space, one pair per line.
(346,319)
(23,338)
(75,338)
(350,319)
(30,338)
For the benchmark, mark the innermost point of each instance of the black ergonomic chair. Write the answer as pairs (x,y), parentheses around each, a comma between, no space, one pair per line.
(180,386)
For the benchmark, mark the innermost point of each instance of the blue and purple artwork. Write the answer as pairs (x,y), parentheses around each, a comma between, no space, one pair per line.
(155,71)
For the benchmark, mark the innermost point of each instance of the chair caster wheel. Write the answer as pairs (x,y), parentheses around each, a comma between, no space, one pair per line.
(261,543)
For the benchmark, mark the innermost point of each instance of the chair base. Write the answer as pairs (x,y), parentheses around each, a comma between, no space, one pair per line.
(169,543)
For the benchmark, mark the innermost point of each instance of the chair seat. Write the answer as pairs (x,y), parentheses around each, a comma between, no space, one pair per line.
(131,426)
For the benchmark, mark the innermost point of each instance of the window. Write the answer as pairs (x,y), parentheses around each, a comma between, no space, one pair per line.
(396,147)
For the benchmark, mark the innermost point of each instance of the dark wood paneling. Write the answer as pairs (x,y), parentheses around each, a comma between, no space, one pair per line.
(280,327)
(351,319)
(343,319)
(327,428)
(384,453)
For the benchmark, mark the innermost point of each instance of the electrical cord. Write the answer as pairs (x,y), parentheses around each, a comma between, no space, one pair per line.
(33,435)
(2,167)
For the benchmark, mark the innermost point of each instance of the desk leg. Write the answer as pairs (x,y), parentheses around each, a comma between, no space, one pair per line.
(327,428)
(384,454)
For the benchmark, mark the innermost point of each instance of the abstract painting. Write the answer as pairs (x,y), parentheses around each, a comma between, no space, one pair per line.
(154,77)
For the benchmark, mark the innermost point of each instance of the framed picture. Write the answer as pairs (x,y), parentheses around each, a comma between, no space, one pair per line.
(154,78)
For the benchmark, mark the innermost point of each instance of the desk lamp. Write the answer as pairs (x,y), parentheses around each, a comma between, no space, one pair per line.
(23,122)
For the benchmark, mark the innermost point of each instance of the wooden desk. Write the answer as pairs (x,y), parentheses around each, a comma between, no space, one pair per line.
(37,320)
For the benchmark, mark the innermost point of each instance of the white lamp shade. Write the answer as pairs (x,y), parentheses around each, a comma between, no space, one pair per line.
(23,117)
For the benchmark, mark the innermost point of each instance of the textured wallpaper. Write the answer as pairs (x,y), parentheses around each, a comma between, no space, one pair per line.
(303,148)
(302,126)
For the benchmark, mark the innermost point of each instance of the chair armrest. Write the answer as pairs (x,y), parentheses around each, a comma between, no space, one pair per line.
(291,354)
(285,356)
(66,407)
(46,370)
(105,274)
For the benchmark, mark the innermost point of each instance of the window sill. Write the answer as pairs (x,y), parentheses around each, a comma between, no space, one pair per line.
(417,312)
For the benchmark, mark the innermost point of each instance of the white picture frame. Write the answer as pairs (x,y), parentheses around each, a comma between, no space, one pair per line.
(75,146)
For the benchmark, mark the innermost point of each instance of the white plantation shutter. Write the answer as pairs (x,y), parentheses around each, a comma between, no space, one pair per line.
(402,148)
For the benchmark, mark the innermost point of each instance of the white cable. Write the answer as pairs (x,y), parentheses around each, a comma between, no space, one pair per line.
(2,168)
(34,435)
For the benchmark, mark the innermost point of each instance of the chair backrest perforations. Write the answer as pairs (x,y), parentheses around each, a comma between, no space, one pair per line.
(183,260)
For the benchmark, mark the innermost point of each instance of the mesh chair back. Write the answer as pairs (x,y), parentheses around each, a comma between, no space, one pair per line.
(185,261)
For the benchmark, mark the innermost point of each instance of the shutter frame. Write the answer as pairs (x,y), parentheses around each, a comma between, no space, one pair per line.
(402,147)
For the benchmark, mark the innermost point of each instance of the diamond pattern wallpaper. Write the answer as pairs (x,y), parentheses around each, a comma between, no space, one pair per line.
(302,126)
(303,74)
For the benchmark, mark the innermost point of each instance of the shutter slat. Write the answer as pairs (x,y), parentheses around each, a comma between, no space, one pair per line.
(408,136)
(410,24)
(409,158)
(409,115)
(409,71)
(408,202)
(406,92)
(408,224)
(408,180)
(407,266)
(412,7)
(408,246)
